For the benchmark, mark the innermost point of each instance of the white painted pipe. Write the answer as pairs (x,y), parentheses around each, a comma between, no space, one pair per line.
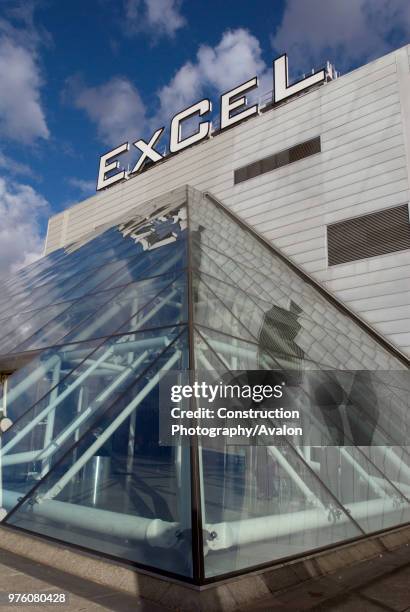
(253,530)
(401,486)
(362,472)
(155,532)
(308,493)
(113,426)
(201,357)
(48,435)
(226,535)
(101,371)
(393,458)
(52,405)
(83,416)
(108,366)
(54,445)
(315,465)
(31,379)
(156,308)
(123,347)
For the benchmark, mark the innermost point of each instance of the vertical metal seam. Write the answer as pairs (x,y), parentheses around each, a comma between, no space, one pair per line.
(196,513)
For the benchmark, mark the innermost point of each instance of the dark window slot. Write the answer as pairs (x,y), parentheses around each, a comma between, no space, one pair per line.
(277,160)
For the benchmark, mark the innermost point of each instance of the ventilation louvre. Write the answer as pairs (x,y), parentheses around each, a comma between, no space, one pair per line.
(277,160)
(378,233)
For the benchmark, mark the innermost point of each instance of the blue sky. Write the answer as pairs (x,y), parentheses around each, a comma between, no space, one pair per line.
(77,78)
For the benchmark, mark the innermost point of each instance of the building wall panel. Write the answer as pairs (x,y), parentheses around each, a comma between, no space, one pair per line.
(362,119)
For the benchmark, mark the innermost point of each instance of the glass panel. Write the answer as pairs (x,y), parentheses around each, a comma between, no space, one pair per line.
(96,280)
(84,449)
(370,499)
(42,434)
(164,260)
(27,275)
(394,463)
(220,307)
(264,503)
(24,325)
(56,329)
(282,333)
(257,270)
(235,354)
(39,375)
(252,492)
(340,339)
(46,295)
(117,491)
(284,322)
(155,302)
(106,312)
(346,413)
(144,246)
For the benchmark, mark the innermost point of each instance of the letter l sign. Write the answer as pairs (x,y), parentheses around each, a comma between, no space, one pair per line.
(281,80)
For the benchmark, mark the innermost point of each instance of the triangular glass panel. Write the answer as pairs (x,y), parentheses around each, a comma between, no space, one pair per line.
(214,307)
(112,485)
(91,330)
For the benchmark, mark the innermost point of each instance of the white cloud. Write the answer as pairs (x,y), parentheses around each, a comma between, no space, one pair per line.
(185,87)
(14,167)
(235,59)
(115,107)
(118,112)
(156,17)
(348,32)
(21,114)
(17,23)
(83,186)
(21,211)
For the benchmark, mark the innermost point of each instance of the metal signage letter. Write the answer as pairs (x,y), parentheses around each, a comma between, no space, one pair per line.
(104,168)
(230,102)
(148,151)
(176,142)
(281,79)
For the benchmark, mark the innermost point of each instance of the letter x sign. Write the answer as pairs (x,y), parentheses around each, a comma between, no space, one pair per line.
(148,151)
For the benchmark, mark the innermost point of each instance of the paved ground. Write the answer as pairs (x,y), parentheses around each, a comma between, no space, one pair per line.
(20,575)
(371,586)
(380,584)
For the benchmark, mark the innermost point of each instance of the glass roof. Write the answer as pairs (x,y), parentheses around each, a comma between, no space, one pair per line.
(89,332)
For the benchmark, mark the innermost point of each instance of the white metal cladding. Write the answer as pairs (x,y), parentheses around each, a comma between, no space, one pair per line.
(363,120)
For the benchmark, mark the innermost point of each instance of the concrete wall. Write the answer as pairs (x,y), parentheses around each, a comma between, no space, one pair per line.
(363,119)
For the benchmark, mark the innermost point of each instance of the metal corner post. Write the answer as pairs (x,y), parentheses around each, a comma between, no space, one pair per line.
(196,506)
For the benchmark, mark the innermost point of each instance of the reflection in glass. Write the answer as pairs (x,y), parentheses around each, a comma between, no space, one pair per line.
(89,331)
(114,488)
(268,502)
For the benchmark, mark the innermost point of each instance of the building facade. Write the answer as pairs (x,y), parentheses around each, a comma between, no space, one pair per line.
(155,280)
(362,121)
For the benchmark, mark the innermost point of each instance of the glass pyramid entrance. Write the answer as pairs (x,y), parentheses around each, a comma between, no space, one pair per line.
(89,332)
